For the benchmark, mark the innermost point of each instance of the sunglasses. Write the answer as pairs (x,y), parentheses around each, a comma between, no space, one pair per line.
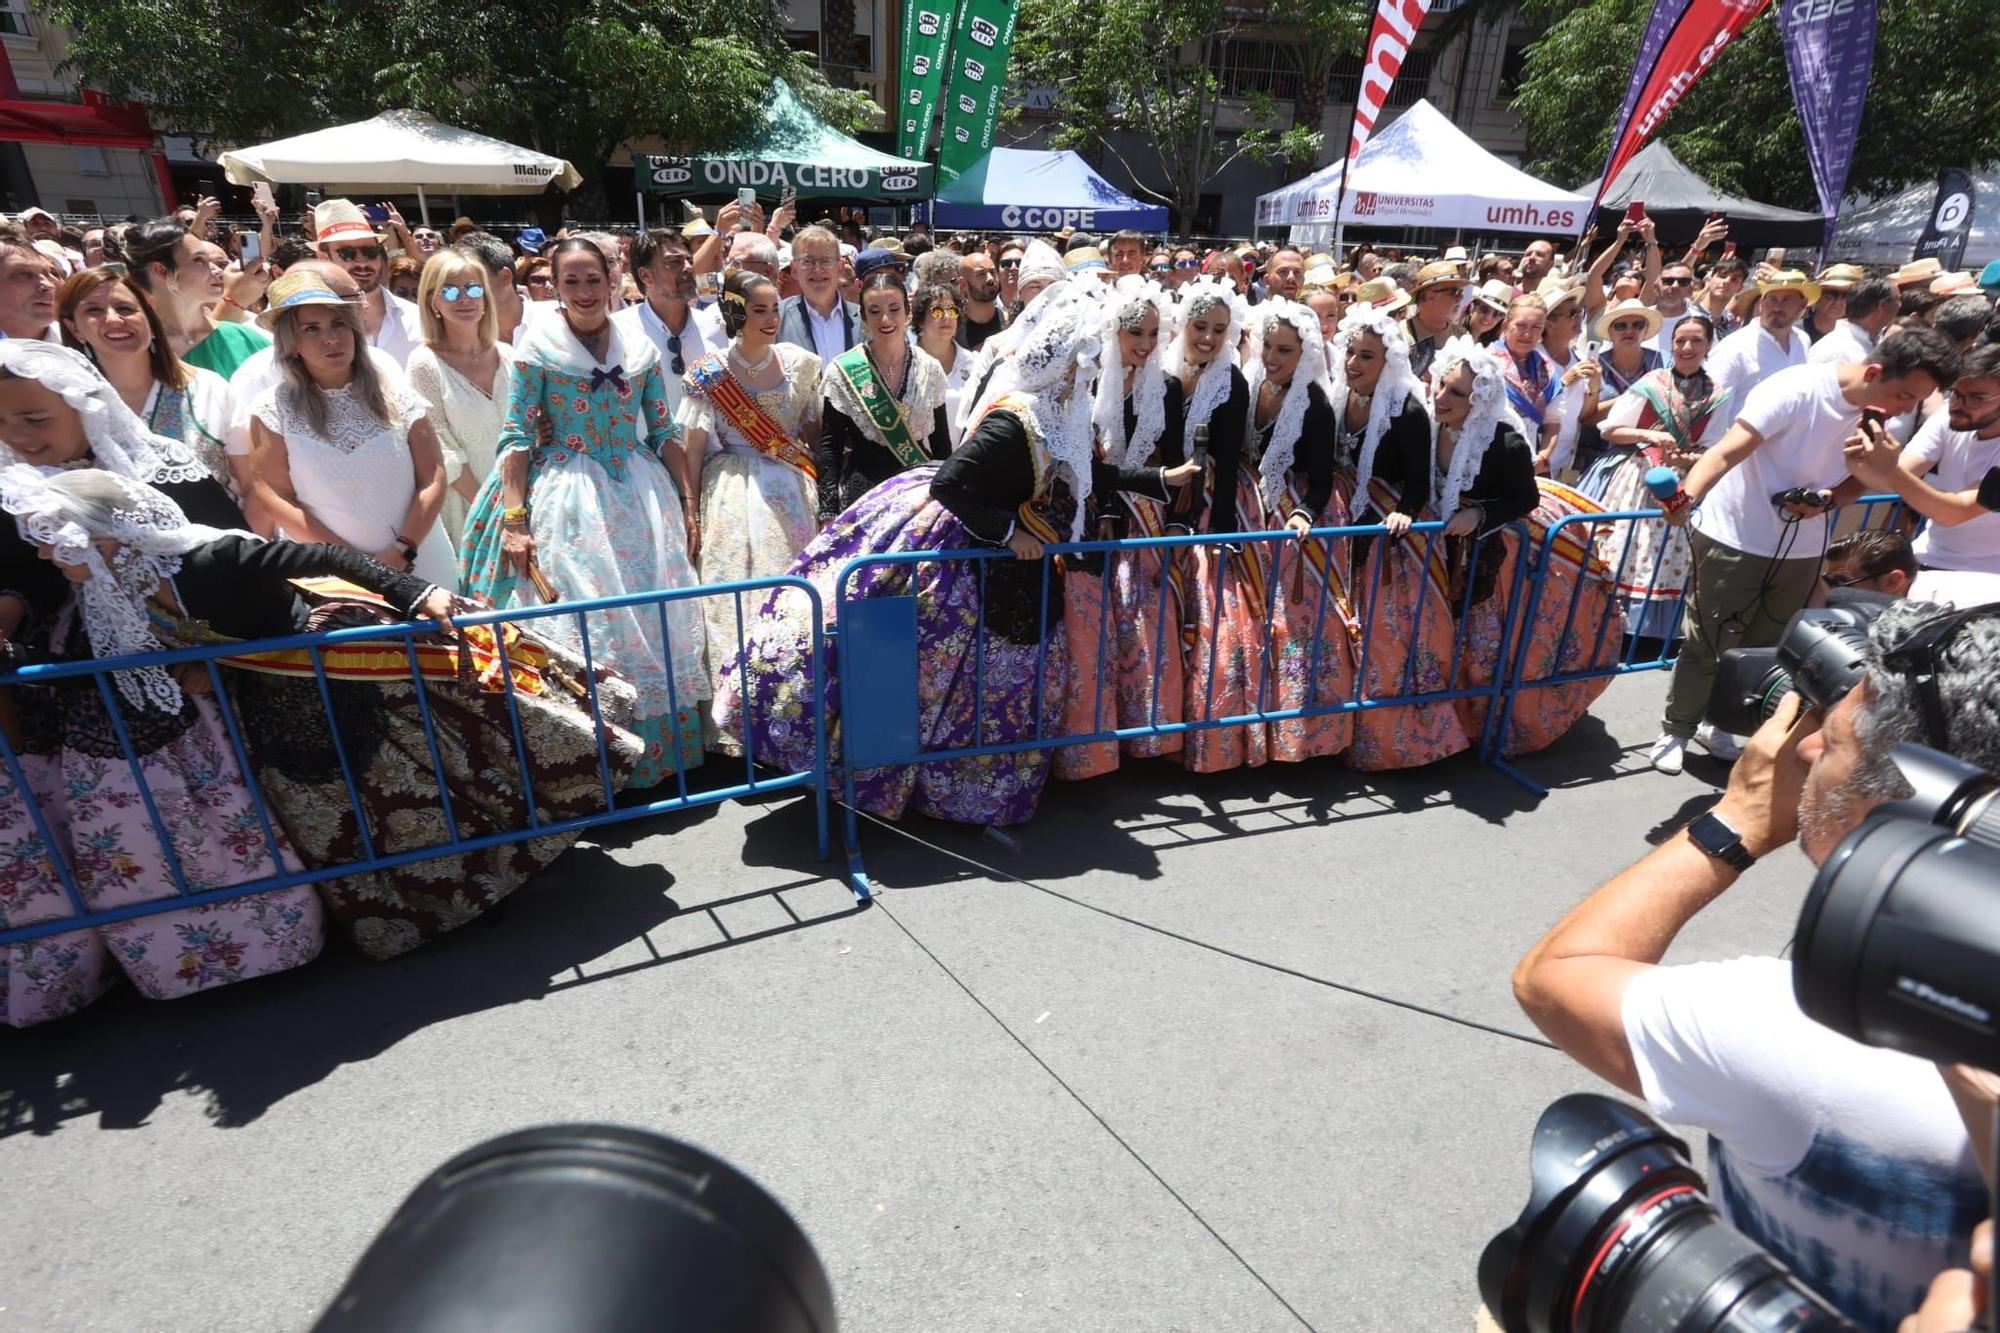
(1629,326)
(453,292)
(1187,263)
(1677,282)
(1831,582)
(943,312)
(350,254)
(1161,268)
(1010,263)
(674,350)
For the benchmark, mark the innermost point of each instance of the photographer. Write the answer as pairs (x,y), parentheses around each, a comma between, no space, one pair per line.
(1848,1162)
(1764,491)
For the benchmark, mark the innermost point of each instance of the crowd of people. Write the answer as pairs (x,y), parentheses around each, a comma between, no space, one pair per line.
(547,420)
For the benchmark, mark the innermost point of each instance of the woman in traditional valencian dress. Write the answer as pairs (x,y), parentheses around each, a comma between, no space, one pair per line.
(1482,481)
(580,504)
(1128,652)
(1223,623)
(1020,479)
(885,403)
(1667,418)
(1313,628)
(89,790)
(1628,354)
(752,420)
(1382,452)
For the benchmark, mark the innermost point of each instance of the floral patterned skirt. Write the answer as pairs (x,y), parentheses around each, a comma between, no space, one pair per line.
(381,731)
(757,515)
(772,707)
(1226,652)
(1649,558)
(1406,650)
(1559,640)
(91,805)
(1312,646)
(1125,630)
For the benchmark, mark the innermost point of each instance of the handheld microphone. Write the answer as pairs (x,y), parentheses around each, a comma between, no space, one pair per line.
(1200,457)
(1665,484)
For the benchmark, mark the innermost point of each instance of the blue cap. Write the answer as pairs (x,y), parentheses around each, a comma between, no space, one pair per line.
(875,257)
(532,239)
(1989,277)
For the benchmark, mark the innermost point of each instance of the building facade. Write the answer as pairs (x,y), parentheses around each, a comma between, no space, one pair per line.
(64,148)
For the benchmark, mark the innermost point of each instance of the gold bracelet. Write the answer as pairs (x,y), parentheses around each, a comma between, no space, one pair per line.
(518,514)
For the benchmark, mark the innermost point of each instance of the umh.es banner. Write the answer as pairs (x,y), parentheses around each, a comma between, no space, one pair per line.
(1829,49)
(1659,26)
(1701,32)
(1950,222)
(981,42)
(926,39)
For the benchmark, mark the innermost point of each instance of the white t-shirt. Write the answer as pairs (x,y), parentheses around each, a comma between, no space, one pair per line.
(1847,1162)
(1847,342)
(1962,461)
(1804,420)
(1748,357)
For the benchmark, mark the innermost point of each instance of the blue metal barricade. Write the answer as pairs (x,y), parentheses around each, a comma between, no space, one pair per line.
(36,835)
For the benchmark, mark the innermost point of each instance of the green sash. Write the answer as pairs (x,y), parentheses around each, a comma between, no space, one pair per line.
(882,406)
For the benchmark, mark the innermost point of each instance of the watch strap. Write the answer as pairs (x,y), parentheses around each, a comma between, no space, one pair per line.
(1712,834)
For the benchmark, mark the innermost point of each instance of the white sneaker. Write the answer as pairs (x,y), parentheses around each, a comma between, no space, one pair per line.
(1669,754)
(1721,744)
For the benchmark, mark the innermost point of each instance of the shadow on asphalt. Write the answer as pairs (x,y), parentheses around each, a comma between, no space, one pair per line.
(249,1046)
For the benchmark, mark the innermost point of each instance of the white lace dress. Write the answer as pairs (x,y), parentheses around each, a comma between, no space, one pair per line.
(467,420)
(357,479)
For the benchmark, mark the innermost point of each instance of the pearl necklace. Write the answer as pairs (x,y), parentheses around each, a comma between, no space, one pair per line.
(749,368)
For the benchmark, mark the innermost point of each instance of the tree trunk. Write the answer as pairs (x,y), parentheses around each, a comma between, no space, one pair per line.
(836,42)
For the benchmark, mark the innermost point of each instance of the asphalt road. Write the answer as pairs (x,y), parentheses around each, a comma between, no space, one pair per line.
(1225,1053)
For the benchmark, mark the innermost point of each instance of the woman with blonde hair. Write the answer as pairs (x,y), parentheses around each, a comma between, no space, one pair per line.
(341,455)
(464,373)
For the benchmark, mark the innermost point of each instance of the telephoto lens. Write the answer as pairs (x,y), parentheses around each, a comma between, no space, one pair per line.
(1619,1235)
(1820,656)
(586,1229)
(1899,939)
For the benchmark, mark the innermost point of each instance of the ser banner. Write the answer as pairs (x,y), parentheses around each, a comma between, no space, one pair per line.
(1950,222)
(1700,32)
(981,43)
(1829,49)
(926,39)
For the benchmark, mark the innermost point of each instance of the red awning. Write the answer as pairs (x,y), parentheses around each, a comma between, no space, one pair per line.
(92,122)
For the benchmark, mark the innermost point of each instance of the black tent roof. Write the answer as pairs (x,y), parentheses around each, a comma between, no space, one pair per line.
(1678,200)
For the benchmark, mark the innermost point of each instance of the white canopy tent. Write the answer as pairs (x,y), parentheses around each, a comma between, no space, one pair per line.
(1885,231)
(1423,171)
(398,151)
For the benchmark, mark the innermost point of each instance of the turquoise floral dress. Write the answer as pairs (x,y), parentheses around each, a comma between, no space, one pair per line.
(607,521)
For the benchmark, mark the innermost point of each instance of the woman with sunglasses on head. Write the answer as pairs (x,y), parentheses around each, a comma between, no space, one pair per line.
(583,502)
(465,373)
(108,317)
(884,408)
(187,280)
(1666,418)
(1625,355)
(940,312)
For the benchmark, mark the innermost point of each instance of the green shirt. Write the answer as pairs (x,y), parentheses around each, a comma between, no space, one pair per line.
(226,347)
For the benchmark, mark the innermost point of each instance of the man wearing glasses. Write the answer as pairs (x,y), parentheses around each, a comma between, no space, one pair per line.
(818,317)
(1676,289)
(1010,272)
(979,287)
(346,236)
(1959,449)
(428,242)
(683,332)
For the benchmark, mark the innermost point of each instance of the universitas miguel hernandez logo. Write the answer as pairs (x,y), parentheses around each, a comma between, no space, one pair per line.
(1364,203)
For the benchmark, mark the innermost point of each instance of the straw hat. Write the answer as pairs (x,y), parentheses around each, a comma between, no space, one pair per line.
(1495,294)
(1456,255)
(1556,291)
(1841,277)
(1440,273)
(1383,294)
(297,287)
(1084,259)
(1320,277)
(1955,284)
(1785,280)
(1916,271)
(1631,305)
(696,228)
(338,220)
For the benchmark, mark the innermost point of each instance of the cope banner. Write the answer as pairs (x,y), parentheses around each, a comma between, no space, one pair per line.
(926,46)
(982,40)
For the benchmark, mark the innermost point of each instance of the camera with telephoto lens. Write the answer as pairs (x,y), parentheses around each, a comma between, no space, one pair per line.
(1820,656)
(1619,1235)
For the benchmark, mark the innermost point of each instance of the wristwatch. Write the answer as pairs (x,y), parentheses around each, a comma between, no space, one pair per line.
(1714,836)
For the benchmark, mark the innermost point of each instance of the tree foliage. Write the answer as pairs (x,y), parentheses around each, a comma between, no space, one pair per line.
(571,77)
(1148,66)
(1928,102)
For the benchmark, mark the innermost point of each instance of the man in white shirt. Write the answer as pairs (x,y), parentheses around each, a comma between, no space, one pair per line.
(346,236)
(1848,1162)
(1763,494)
(1871,308)
(1676,285)
(818,317)
(1958,450)
(684,334)
(1766,345)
